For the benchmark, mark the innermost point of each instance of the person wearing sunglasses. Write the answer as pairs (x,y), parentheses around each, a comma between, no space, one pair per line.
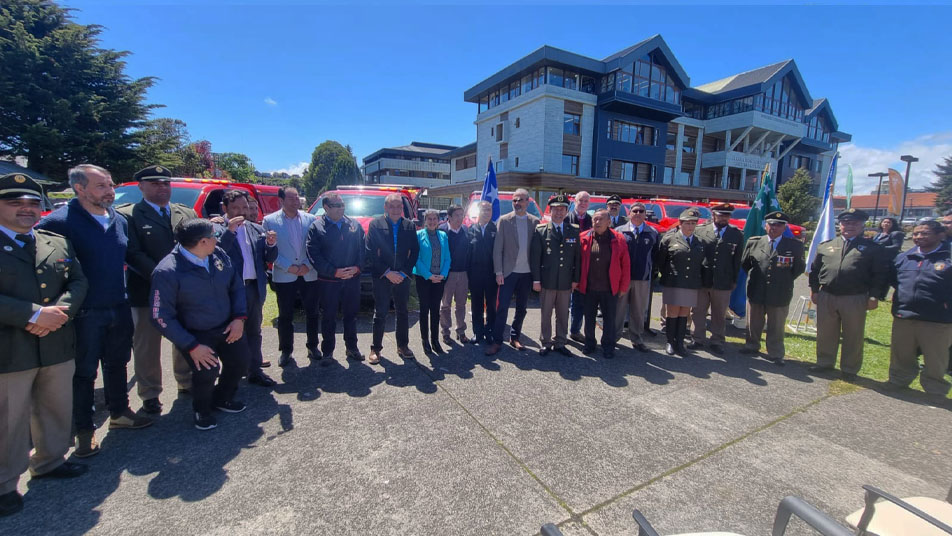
(335,247)
(772,263)
(199,303)
(642,249)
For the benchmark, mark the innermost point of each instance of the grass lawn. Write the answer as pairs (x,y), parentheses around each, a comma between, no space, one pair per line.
(802,347)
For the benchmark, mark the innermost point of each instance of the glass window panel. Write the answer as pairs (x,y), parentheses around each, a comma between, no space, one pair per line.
(588,84)
(571,80)
(527,83)
(484,103)
(643,69)
(656,90)
(515,89)
(504,95)
(624,82)
(540,77)
(570,124)
(555,76)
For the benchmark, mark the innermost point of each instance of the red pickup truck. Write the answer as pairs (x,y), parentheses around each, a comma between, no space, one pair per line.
(204,195)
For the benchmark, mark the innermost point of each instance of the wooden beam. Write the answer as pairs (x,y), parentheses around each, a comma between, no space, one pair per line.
(742,137)
(787,150)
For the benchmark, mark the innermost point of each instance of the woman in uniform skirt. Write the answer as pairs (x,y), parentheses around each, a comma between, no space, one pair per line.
(680,258)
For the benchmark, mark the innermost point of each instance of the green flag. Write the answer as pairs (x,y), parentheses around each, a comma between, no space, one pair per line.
(849,186)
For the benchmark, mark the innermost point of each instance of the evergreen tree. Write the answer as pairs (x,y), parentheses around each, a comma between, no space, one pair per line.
(943,185)
(332,164)
(798,197)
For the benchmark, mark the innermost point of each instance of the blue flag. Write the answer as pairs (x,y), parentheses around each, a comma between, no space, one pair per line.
(490,190)
(825,229)
(765,203)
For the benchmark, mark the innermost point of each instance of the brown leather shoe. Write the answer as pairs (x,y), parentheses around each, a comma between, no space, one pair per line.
(86,444)
(517,345)
(130,420)
(374,357)
(494,349)
(406,354)
(463,339)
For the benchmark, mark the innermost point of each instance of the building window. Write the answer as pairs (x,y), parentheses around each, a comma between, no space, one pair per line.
(588,84)
(571,80)
(555,76)
(571,124)
(631,133)
(499,132)
(688,144)
(517,161)
(570,164)
(671,141)
(517,122)
(668,175)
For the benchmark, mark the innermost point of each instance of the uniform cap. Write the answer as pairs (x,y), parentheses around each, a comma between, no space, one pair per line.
(852,214)
(19,186)
(776,217)
(559,201)
(691,214)
(614,199)
(722,208)
(153,174)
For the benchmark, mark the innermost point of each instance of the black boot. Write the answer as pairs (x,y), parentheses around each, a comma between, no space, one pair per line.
(670,331)
(681,332)
(435,341)
(435,331)
(425,336)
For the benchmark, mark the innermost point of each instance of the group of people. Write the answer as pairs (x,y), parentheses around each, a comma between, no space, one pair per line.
(91,286)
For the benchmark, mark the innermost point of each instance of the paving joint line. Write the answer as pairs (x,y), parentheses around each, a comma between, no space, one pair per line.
(561,502)
(703,457)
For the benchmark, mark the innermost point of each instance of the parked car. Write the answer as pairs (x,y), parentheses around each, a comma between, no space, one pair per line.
(505,206)
(202,195)
(739,219)
(364,203)
(664,213)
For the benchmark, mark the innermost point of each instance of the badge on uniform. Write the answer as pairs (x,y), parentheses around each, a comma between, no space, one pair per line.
(784,262)
(548,251)
(861,248)
(7,248)
(569,240)
(939,266)
(147,226)
(219,265)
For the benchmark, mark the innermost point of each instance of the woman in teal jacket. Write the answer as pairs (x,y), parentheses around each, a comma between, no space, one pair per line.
(432,267)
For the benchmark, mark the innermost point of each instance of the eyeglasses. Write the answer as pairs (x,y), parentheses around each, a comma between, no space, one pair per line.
(638,211)
(335,205)
(517,200)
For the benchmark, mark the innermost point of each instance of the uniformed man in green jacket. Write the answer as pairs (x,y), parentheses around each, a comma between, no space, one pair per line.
(151,224)
(555,264)
(41,289)
(848,277)
(772,263)
(723,247)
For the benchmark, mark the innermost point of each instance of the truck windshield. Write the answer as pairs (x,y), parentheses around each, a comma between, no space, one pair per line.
(132,194)
(357,206)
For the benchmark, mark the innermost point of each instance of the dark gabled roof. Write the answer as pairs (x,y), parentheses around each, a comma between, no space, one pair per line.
(545,54)
(822,105)
(549,55)
(655,42)
(755,81)
(10,167)
(460,151)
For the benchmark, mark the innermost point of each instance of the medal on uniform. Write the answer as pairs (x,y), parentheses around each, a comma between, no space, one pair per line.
(219,265)
(939,266)
(7,248)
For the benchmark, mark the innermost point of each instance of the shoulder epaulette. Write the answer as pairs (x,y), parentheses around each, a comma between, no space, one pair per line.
(48,233)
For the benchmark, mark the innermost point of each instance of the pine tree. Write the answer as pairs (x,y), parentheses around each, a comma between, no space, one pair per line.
(943,185)
(798,197)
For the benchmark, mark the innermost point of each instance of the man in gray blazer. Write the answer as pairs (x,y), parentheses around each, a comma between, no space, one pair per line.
(293,274)
(513,273)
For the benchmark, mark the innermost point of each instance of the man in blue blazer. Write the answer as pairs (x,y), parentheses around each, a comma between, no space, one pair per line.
(250,248)
(293,274)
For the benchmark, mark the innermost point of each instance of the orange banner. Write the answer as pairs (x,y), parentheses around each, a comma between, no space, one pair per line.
(895,192)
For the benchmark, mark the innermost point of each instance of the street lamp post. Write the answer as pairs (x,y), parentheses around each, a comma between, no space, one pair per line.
(908,159)
(879,190)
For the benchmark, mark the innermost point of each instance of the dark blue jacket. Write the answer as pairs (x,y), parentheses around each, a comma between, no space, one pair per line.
(481,252)
(330,248)
(642,249)
(102,253)
(923,285)
(260,250)
(459,247)
(186,297)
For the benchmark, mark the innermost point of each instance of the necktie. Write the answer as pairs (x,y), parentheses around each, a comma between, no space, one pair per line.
(846,247)
(165,215)
(558,231)
(773,245)
(27,242)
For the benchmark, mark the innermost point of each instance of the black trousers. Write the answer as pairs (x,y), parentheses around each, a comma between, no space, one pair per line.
(253,326)
(383,291)
(518,284)
(233,363)
(310,296)
(103,336)
(608,303)
(482,292)
(430,295)
(337,295)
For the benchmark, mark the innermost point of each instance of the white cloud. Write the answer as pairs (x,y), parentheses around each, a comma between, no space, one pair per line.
(270,102)
(929,149)
(293,169)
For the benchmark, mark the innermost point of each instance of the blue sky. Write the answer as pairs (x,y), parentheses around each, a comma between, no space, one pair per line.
(274,81)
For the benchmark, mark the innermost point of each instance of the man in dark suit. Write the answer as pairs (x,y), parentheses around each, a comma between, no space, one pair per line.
(250,249)
(556,267)
(579,216)
(614,211)
(152,223)
(772,263)
(335,247)
(392,250)
(482,277)
(41,289)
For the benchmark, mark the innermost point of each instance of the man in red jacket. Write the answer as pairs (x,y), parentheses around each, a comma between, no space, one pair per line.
(606,273)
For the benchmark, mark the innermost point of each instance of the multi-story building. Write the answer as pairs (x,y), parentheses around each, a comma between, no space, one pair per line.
(633,124)
(418,164)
